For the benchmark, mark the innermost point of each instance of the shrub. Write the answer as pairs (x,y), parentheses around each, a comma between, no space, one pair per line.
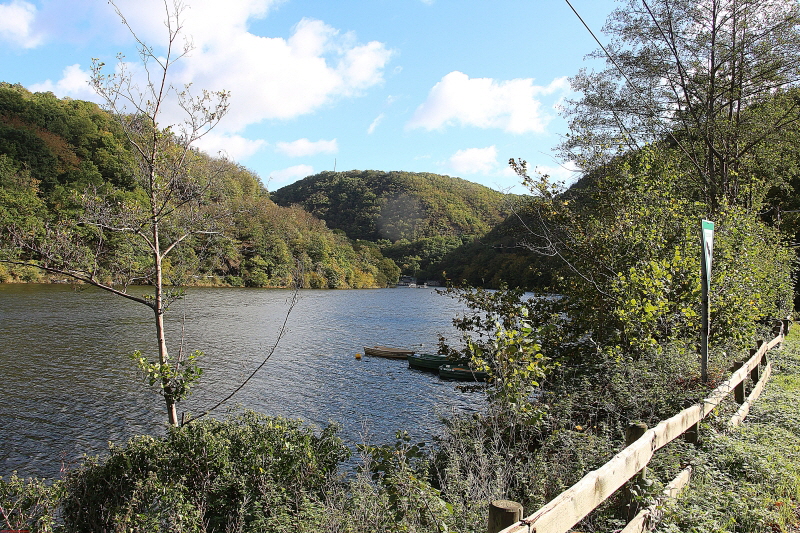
(28,504)
(234,281)
(391,491)
(245,472)
(749,479)
(28,274)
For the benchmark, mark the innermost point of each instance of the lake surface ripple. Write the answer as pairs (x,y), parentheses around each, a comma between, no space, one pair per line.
(68,387)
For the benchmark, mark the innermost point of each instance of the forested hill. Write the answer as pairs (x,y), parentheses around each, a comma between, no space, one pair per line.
(55,153)
(376,224)
(374,205)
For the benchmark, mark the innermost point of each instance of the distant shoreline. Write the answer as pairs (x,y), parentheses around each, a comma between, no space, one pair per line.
(45,280)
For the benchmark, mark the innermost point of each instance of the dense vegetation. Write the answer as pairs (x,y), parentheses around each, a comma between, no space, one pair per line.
(496,259)
(374,205)
(54,152)
(256,473)
(704,127)
(700,133)
(415,218)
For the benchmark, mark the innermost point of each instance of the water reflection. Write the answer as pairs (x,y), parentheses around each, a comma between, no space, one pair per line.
(68,387)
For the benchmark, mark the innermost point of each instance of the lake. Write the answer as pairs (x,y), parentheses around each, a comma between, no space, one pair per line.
(68,387)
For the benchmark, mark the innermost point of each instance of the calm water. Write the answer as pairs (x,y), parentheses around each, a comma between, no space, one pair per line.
(68,387)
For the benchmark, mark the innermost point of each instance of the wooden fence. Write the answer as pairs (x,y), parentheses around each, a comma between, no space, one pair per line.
(572,505)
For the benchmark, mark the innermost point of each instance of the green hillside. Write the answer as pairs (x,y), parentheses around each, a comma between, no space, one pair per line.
(335,229)
(62,158)
(498,258)
(374,205)
(417,219)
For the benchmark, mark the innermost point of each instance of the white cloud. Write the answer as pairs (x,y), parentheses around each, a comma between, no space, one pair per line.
(16,24)
(362,66)
(511,105)
(508,172)
(475,160)
(374,124)
(291,174)
(276,78)
(203,20)
(74,82)
(268,77)
(234,147)
(304,147)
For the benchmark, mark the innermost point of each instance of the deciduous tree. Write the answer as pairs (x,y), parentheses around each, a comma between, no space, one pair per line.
(173,203)
(713,79)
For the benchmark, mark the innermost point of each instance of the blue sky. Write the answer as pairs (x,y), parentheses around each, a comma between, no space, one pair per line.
(454,87)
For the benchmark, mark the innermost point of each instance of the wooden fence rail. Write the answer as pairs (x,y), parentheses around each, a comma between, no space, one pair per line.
(572,505)
(643,521)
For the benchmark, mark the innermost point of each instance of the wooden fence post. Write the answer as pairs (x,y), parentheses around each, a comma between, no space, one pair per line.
(630,507)
(692,434)
(738,390)
(503,513)
(755,372)
(763,361)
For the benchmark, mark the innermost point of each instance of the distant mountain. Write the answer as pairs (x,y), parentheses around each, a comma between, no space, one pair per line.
(373,205)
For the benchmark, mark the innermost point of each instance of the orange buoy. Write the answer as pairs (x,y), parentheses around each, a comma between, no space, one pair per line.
(358,356)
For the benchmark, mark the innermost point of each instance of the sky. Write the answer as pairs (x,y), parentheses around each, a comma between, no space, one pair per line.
(454,87)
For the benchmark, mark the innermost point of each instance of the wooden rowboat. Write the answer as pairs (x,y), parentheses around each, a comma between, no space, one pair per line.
(390,353)
(461,373)
(426,361)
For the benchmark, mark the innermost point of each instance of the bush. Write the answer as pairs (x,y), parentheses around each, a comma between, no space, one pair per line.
(391,491)
(618,344)
(28,504)
(247,472)
(234,281)
(628,252)
(28,274)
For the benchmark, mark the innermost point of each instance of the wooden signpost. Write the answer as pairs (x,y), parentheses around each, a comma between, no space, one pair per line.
(707,240)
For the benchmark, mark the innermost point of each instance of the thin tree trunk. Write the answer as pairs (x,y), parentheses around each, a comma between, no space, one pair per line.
(158,308)
(718,187)
(172,414)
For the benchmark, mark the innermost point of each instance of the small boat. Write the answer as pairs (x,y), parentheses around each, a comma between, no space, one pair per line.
(426,361)
(461,373)
(385,351)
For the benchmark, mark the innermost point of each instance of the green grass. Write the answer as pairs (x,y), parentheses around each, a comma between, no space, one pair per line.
(748,479)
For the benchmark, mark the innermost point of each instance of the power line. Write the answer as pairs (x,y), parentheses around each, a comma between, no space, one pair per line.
(653,112)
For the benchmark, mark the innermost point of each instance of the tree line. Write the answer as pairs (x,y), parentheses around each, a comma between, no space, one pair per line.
(56,153)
